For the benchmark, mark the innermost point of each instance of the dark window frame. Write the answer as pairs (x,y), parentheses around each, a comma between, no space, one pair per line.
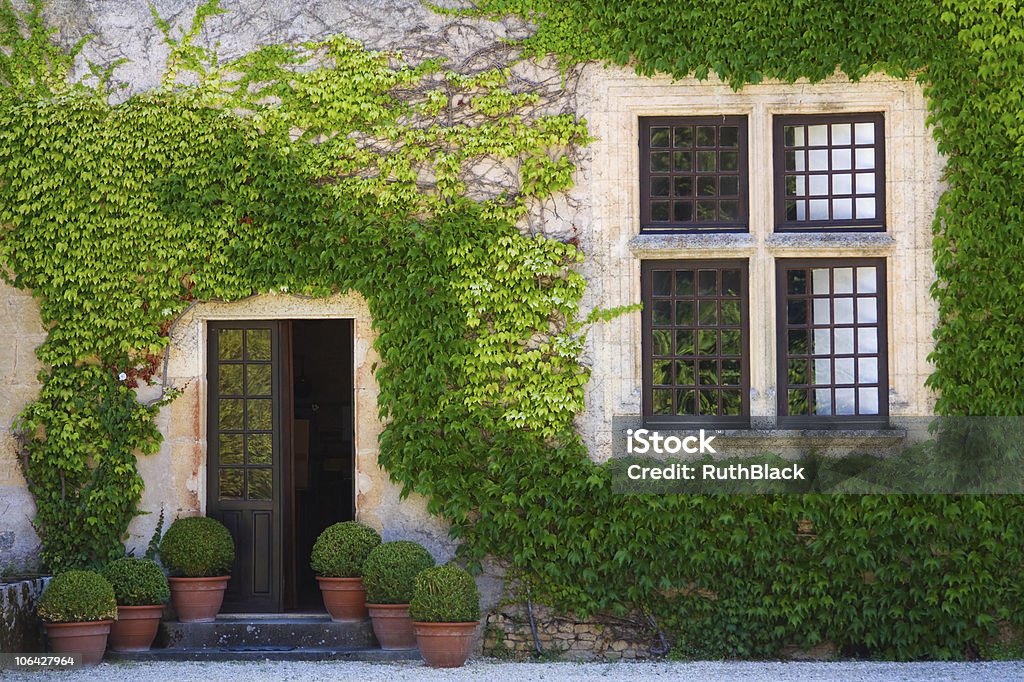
(782,223)
(647,267)
(742,223)
(785,420)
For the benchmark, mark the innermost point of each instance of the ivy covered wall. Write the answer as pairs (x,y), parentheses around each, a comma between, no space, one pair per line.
(316,168)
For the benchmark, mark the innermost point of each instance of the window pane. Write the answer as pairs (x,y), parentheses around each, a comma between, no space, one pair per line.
(659,186)
(683,211)
(844,340)
(706,162)
(842,209)
(730,312)
(684,342)
(865,158)
(230,417)
(662,312)
(687,402)
(660,137)
(841,133)
(684,313)
(867,339)
(659,211)
(229,379)
(257,344)
(865,209)
(867,369)
(797,400)
(731,282)
(684,186)
(842,279)
(230,448)
(708,313)
(845,401)
(230,484)
(258,379)
(842,183)
(865,133)
(684,136)
(817,135)
(661,373)
(868,400)
(732,403)
(866,280)
(867,310)
(661,342)
(229,344)
(660,161)
(823,401)
(844,310)
(840,159)
(684,372)
(683,162)
(822,371)
(844,371)
(865,183)
(684,283)
(730,161)
(261,448)
(707,186)
(705,136)
(819,185)
(662,401)
(662,282)
(261,484)
(728,136)
(731,342)
(819,209)
(707,342)
(258,415)
(794,136)
(822,311)
(817,160)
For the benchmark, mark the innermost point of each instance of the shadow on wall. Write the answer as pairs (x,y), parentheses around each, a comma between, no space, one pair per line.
(20,629)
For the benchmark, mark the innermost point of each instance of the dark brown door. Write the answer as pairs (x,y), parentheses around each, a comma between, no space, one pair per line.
(245,455)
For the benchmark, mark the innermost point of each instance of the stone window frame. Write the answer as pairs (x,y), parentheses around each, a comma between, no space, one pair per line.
(608,196)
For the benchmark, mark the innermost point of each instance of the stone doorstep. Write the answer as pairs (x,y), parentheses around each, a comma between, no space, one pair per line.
(257,637)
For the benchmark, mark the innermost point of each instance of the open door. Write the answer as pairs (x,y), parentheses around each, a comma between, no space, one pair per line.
(245,457)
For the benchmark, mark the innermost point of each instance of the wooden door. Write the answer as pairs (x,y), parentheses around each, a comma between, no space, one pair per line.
(245,453)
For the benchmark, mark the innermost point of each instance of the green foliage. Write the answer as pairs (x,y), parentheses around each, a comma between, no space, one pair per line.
(118,218)
(341,549)
(137,582)
(445,594)
(390,570)
(197,547)
(77,597)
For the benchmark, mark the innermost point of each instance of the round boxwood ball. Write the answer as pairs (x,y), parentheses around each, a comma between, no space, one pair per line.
(342,548)
(390,570)
(137,582)
(77,597)
(197,547)
(445,594)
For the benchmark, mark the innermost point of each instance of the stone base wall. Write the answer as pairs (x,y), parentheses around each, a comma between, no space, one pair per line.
(20,629)
(507,634)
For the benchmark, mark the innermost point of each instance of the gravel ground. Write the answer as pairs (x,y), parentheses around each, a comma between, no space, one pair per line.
(523,672)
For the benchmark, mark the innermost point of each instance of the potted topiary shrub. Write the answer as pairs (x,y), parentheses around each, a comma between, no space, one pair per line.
(445,610)
(78,608)
(141,591)
(337,559)
(198,551)
(389,575)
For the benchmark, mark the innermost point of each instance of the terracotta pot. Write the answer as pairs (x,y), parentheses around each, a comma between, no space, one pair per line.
(392,625)
(344,598)
(444,645)
(135,627)
(197,600)
(88,639)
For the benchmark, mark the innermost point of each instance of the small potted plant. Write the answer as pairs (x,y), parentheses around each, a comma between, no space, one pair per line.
(141,591)
(198,551)
(445,610)
(337,559)
(78,608)
(389,575)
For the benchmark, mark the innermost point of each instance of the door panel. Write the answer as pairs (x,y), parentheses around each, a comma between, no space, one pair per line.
(244,486)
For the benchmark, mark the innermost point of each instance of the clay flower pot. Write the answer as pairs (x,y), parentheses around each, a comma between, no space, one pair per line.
(393,626)
(88,639)
(197,600)
(344,598)
(135,627)
(445,645)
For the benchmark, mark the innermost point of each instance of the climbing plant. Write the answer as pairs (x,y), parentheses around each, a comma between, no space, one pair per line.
(317,168)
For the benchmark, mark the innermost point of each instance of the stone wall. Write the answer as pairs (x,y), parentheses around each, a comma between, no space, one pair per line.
(20,630)
(508,634)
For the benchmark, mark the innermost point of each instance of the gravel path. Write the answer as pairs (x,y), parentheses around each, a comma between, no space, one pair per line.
(524,672)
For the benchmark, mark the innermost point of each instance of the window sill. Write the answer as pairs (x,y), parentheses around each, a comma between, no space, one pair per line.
(831,243)
(717,244)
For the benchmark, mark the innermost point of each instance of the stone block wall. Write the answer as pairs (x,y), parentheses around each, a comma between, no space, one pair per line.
(20,629)
(507,634)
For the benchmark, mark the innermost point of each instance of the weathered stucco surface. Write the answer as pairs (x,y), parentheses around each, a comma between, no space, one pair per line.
(602,212)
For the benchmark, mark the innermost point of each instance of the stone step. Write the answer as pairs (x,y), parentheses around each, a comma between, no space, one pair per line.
(265,654)
(267,633)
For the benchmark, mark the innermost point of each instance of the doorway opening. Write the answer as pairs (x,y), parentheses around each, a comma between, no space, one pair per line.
(281,452)
(323,448)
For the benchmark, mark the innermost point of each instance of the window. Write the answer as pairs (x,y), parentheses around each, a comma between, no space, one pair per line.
(695,342)
(829,172)
(832,341)
(693,174)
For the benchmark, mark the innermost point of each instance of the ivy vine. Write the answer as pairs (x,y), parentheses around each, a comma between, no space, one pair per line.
(316,168)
